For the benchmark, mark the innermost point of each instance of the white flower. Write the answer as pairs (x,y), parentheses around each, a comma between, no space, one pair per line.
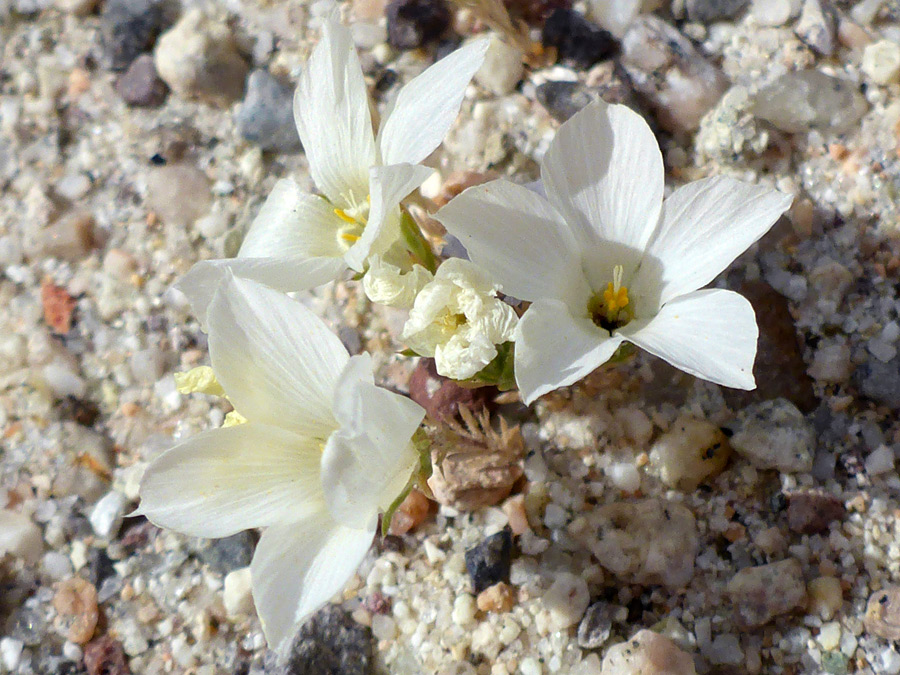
(300,240)
(458,320)
(387,284)
(322,452)
(604,260)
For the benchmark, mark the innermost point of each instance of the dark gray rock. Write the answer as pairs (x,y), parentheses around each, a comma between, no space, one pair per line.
(140,85)
(707,11)
(488,563)
(414,23)
(576,39)
(266,116)
(230,553)
(129,28)
(330,643)
(880,381)
(564,99)
(596,625)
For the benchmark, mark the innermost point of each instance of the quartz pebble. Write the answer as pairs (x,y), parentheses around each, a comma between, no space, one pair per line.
(596,625)
(198,58)
(237,596)
(691,451)
(178,193)
(140,84)
(880,461)
(761,593)
(667,69)
(825,596)
(502,68)
(20,537)
(500,597)
(650,541)
(106,518)
(616,15)
(707,11)
(775,435)
(70,238)
(817,26)
(566,599)
(881,61)
(771,12)
(464,609)
(266,116)
(647,653)
(11,653)
(77,613)
(809,99)
(883,613)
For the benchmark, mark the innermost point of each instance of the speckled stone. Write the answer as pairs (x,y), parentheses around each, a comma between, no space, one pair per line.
(761,593)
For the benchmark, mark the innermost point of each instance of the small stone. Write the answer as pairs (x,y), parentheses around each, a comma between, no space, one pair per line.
(384,627)
(76,7)
(100,567)
(58,307)
(761,593)
(576,39)
(229,553)
(614,15)
(709,11)
(106,518)
(488,563)
(564,99)
(414,23)
(464,610)
(442,397)
(147,365)
(880,461)
(411,513)
(809,99)
(813,511)
(198,58)
(330,642)
(831,363)
(883,613)
(830,636)
(647,653)
(129,28)
(71,238)
(237,596)
(666,68)
(56,565)
(596,625)
(879,381)
(514,508)
(73,186)
(178,193)
(775,435)
(566,599)
(771,12)
(502,68)
(780,370)
(691,451)
(105,656)
(20,537)
(140,84)
(646,542)
(817,26)
(498,598)
(825,596)
(76,605)
(11,653)
(881,62)
(266,116)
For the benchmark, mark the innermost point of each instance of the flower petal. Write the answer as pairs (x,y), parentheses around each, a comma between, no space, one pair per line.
(282,274)
(276,360)
(299,566)
(293,223)
(604,173)
(555,349)
(518,237)
(331,109)
(706,225)
(426,107)
(710,334)
(368,461)
(232,479)
(388,186)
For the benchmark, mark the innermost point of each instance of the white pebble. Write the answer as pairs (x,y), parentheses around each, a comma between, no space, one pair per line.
(502,68)
(19,537)
(106,518)
(881,61)
(880,460)
(890,661)
(72,651)
(625,476)
(237,595)
(56,565)
(830,636)
(11,653)
(62,380)
(566,599)
(463,610)
(530,666)
(383,627)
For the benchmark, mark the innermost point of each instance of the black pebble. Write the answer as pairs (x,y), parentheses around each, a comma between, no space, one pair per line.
(488,562)
(413,23)
(576,39)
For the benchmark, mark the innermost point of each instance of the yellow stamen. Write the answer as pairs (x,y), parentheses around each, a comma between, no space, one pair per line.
(346,236)
(340,213)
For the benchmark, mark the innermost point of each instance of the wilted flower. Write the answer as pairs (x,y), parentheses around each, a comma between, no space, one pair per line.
(300,240)
(389,285)
(604,260)
(458,320)
(322,452)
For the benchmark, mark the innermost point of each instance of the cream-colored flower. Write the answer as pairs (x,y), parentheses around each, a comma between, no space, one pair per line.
(387,284)
(458,319)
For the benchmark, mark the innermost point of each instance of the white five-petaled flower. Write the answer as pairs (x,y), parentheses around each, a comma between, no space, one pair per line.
(605,260)
(300,240)
(458,320)
(322,452)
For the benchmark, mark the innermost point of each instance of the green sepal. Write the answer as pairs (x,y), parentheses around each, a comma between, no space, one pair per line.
(417,244)
(625,351)
(500,372)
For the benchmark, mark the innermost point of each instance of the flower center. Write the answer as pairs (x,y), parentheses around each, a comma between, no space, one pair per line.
(449,322)
(355,217)
(611,308)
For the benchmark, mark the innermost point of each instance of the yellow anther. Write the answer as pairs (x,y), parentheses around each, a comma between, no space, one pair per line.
(615,298)
(352,238)
(340,213)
